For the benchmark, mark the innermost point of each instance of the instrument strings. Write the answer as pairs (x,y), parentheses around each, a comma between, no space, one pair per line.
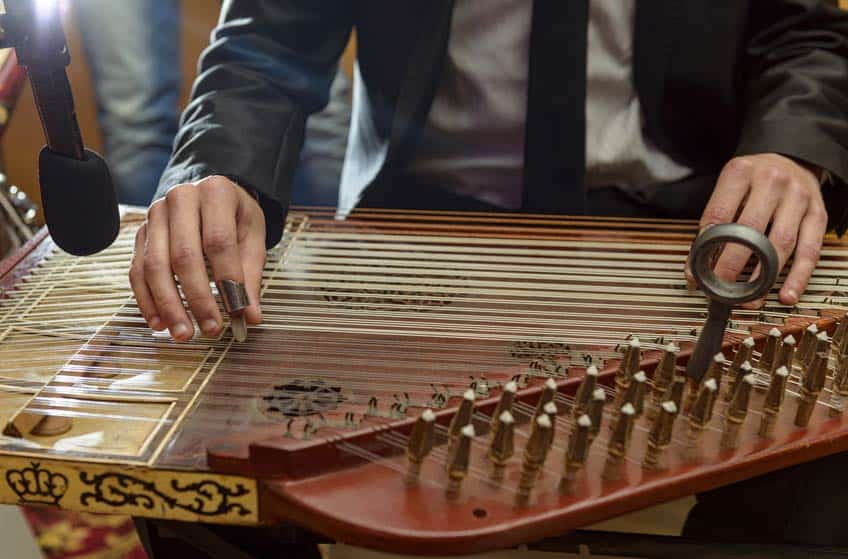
(379,319)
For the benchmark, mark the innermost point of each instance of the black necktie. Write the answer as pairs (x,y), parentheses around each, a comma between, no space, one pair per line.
(555,137)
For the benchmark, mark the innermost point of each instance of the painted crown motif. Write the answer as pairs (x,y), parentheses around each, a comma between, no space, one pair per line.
(37,485)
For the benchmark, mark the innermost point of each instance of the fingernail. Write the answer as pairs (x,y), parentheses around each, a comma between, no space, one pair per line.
(209,326)
(179,330)
(792,295)
(155,323)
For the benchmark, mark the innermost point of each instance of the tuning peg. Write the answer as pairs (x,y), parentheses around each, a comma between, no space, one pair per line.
(773,401)
(785,355)
(505,403)
(459,460)
(596,412)
(702,409)
(548,394)
(660,435)
(737,410)
(769,351)
(743,355)
(663,375)
(620,441)
(420,442)
(576,453)
(807,345)
(584,392)
(462,417)
(811,386)
(535,454)
(503,444)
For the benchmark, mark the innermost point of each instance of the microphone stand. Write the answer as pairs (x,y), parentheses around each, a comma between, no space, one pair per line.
(75,183)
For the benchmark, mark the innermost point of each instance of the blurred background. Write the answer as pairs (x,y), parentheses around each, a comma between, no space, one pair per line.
(23,138)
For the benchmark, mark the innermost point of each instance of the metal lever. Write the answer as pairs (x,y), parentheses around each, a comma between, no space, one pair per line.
(723,295)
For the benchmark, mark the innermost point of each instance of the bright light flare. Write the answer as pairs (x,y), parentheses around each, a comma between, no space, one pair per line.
(45,8)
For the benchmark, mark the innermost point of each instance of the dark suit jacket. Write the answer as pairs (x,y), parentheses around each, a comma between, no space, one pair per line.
(716,78)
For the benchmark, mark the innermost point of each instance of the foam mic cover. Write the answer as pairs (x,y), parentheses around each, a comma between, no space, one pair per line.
(79,201)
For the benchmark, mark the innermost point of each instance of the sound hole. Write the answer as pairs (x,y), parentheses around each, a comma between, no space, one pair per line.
(301,398)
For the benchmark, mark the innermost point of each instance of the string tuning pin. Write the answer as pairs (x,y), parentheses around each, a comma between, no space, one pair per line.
(550,410)
(462,417)
(822,344)
(737,410)
(773,401)
(420,443)
(659,438)
(841,330)
(714,371)
(663,375)
(637,398)
(628,367)
(505,403)
(811,386)
(807,345)
(743,355)
(482,386)
(576,452)
(785,355)
(584,391)
(716,368)
(619,442)
(596,411)
(459,460)
(633,358)
(839,389)
(634,395)
(535,453)
(702,409)
(744,370)
(548,394)
(503,444)
(769,351)
(675,391)
(372,406)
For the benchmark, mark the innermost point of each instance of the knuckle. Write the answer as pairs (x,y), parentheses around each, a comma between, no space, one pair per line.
(775,176)
(739,165)
(818,214)
(155,265)
(217,241)
(157,207)
(183,257)
(799,191)
(749,220)
(179,192)
(810,250)
(201,305)
(216,186)
(784,239)
(716,214)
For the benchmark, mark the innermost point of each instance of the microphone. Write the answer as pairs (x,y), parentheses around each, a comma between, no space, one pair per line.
(79,201)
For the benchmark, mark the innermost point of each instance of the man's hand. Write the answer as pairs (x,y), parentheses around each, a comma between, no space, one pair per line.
(759,190)
(213,217)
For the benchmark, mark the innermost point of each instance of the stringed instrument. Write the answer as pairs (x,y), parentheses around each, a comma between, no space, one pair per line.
(423,382)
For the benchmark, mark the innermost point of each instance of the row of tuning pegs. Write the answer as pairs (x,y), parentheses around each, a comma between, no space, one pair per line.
(661,400)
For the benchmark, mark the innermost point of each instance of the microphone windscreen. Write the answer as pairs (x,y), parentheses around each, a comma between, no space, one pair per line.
(80,206)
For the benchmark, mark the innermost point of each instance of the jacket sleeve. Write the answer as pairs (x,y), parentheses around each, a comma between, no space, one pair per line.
(795,88)
(270,63)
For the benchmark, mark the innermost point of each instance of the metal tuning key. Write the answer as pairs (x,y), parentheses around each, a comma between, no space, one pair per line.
(723,295)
